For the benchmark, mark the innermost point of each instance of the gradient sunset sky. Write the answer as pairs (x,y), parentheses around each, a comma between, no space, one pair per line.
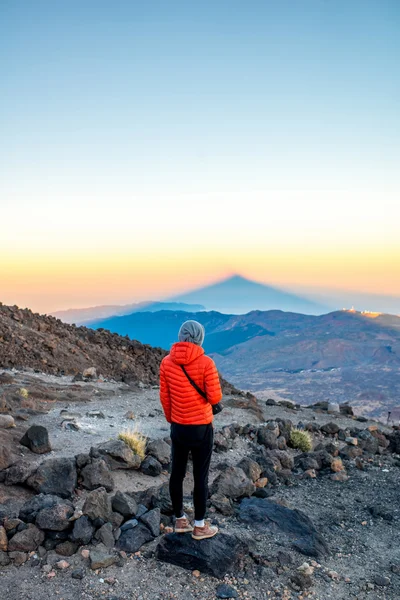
(150,147)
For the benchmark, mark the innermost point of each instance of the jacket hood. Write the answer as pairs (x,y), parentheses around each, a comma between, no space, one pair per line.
(183,353)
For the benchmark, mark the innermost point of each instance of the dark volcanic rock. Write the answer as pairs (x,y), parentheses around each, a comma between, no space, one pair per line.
(216,556)
(83,530)
(55,476)
(394,440)
(6,457)
(105,535)
(101,557)
(36,439)
(97,474)
(295,524)
(55,518)
(152,520)
(117,455)
(124,504)
(267,438)
(330,428)
(133,539)
(67,548)
(151,466)
(18,473)
(97,505)
(251,468)
(160,450)
(30,510)
(27,540)
(233,483)
(226,591)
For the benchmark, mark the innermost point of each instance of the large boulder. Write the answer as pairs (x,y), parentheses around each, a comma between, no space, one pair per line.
(27,540)
(160,450)
(117,455)
(55,518)
(131,540)
(55,476)
(36,439)
(216,556)
(124,504)
(97,474)
(368,442)
(98,505)
(262,513)
(233,483)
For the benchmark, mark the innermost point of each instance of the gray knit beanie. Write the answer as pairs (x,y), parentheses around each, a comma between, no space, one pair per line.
(192,331)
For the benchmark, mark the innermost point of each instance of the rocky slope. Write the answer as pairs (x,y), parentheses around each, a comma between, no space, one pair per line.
(81,515)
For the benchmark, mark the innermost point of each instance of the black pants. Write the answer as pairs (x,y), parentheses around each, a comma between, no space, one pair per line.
(199,440)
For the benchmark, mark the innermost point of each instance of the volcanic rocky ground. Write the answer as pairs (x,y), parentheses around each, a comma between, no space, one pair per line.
(68,513)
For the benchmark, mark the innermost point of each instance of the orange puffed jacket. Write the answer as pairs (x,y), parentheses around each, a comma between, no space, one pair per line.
(180,401)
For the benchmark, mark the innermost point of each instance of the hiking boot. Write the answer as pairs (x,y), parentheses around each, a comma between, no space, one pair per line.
(203,533)
(183,525)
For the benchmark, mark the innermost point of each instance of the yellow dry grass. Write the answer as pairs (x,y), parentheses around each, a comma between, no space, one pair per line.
(135,440)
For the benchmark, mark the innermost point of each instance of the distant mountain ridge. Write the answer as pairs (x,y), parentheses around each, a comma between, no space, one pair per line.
(81,316)
(351,355)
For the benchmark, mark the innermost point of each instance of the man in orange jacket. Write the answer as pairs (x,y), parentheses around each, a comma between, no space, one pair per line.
(189,387)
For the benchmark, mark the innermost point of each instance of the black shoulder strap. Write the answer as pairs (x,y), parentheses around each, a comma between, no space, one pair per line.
(196,387)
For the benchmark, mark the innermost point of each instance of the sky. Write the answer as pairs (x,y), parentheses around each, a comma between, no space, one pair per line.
(151,147)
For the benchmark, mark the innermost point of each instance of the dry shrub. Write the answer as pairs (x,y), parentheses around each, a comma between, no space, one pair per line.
(135,440)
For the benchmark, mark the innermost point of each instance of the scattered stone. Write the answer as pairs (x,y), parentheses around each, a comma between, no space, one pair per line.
(381,580)
(96,414)
(330,428)
(85,553)
(55,476)
(27,540)
(352,441)
(100,558)
(125,505)
(18,473)
(152,520)
(97,505)
(251,468)
(4,559)
(105,535)
(151,466)
(78,573)
(97,474)
(263,513)
(129,524)
(6,457)
(225,591)
(55,518)
(349,452)
(337,465)
(132,540)
(83,530)
(3,540)
(62,565)
(222,504)
(67,548)
(117,455)
(160,450)
(216,556)
(36,439)
(267,438)
(18,558)
(233,483)
(90,373)
(130,415)
(6,422)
